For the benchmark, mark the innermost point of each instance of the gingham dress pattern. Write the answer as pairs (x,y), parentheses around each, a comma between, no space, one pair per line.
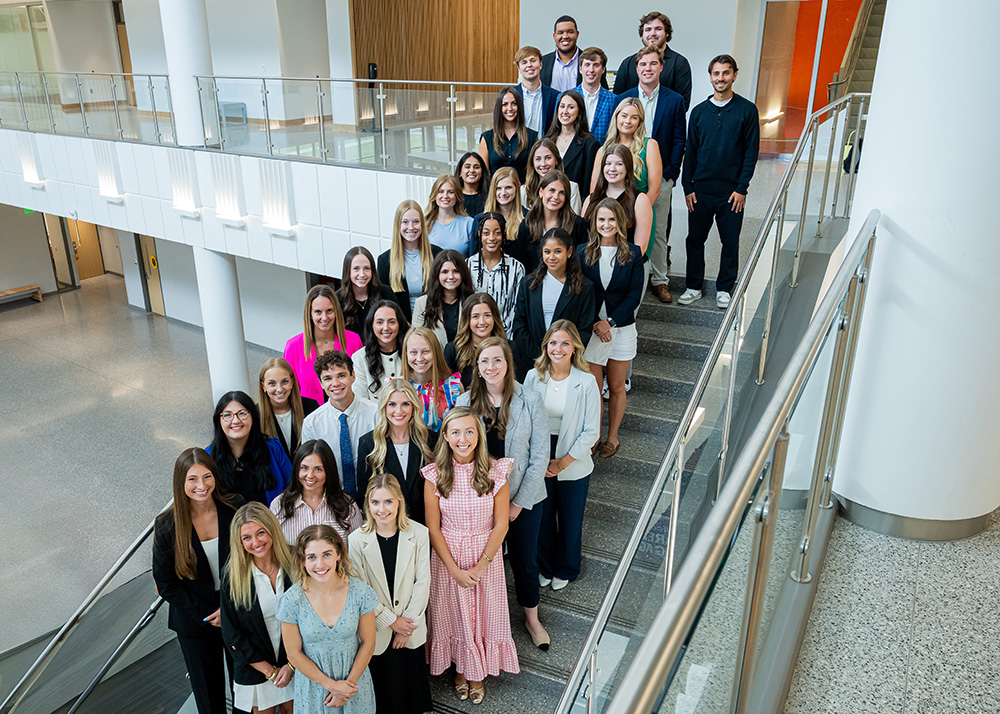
(469,627)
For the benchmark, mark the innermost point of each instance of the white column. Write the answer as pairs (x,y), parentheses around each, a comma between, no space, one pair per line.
(922,434)
(222,319)
(185,39)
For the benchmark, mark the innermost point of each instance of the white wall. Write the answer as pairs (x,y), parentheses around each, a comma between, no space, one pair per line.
(243,37)
(145,36)
(178,281)
(24,251)
(108,240)
(84,37)
(338,31)
(131,270)
(272,299)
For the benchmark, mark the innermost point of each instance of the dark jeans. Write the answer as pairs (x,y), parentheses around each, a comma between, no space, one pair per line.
(708,208)
(203,656)
(560,543)
(522,554)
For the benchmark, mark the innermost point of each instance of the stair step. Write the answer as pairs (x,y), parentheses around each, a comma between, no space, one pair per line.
(527,692)
(703,313)
(653,375)
(677,340)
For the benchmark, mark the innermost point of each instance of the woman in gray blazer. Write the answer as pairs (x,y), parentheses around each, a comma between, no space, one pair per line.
(568,392)
(391,554)
(516,428)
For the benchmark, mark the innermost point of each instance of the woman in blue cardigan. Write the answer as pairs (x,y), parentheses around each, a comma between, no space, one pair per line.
(250,464)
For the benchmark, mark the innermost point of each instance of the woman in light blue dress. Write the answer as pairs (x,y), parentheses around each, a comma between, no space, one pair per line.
(328,627)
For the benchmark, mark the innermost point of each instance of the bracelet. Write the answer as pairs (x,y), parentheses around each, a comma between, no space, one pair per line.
(488,558)
(291,666)
(273,675)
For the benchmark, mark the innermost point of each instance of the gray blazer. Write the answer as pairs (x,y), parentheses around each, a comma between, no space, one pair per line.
(581,424)
(527,443)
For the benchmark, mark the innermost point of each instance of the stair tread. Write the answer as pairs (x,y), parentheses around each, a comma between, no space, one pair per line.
(680,370)
(656,330)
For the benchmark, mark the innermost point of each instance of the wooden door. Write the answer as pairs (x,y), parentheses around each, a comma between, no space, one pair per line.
(87,248)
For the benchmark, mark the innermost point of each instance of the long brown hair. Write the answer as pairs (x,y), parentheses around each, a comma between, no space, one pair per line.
(482,461)
(536,216)
(267,424)
(348,303)
(380,436)
(240,565)
(574,273)
(309,339)
(185,560)
(431,211)
(532,178)
(479,395)
(397,260)
(592,253)
(601,187)
(465,351)
(521,130)
(390,484)
(326,534)
(543,363)
(493,206)
(581,125)
(336,498)
(434,307)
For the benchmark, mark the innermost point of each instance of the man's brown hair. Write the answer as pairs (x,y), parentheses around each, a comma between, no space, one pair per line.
(649,17)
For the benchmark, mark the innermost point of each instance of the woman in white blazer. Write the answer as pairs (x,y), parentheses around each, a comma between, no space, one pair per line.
(565,386)
(391,554)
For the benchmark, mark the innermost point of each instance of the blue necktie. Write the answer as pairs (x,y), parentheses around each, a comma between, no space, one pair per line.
(347,458)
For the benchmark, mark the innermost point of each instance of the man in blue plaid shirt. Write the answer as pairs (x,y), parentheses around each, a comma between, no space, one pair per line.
(600,101)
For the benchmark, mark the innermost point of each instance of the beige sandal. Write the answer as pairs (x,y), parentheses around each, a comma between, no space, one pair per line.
(462,690)
(477,694)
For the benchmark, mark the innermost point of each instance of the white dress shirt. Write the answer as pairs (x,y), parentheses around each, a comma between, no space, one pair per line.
(590,101)
(533,114)
(649,106)
(564,75)
(324,423)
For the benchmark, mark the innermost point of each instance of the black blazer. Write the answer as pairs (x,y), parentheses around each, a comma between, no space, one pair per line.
(578,163)
(308,407)
(676,75)
(411,481)
(550,99)
(191,601)
(549,61)
(624,291)
(402,299)
(245,634)
(529,252)
(529,319)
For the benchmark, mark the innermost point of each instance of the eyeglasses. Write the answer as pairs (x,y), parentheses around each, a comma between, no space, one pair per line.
(242,414)
(496,362)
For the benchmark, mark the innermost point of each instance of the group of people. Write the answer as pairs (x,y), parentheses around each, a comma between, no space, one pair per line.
(345,532)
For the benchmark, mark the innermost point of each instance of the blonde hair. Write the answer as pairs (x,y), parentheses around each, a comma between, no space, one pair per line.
(397,261)
(380,436)
(482,460)
(493,206)
(267,424)
(326,534)
(431,212)
(308,338)
(543,363)
(390,484)
(439,368)
(638,142)
(241,563)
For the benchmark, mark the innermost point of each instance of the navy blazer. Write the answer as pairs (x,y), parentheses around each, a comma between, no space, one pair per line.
(668,128)
(549,61)
(409,479)
(401,298)
(191,601)
(529,318)
(550,100)
(621,297)
(245,634)
(676,75)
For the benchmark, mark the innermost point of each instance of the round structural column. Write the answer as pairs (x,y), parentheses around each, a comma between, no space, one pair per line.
(222,318)
(185,37)
(921,441)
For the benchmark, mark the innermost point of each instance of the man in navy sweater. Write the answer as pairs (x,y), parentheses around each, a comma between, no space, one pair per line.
(722,146)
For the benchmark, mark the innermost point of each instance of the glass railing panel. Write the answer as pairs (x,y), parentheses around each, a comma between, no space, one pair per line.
(240,115)
(418,129)
(352,123)
(473,116)
(135,127)
(34,97)
(64,99)
(160,109)
(99,105)
(293,115)
(10,105)
(210,117)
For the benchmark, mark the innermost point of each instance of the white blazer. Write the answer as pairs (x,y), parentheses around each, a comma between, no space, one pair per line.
(412,582)
(438,330)
(392,367)
(580,425)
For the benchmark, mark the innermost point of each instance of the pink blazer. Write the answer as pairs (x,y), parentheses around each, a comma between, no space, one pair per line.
(308,381)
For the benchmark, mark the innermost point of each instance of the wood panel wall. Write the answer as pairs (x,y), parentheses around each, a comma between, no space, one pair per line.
(437,40)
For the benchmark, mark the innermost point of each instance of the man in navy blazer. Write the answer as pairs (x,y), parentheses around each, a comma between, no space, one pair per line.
(666,126)
(539,100)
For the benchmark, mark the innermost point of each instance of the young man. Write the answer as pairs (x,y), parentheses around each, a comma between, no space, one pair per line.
(655,29)
(343,419)
(664,122)
(539,100)
(600,101)
(722,146)
(561,68)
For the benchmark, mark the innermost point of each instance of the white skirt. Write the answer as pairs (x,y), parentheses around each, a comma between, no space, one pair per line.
(622,347)
(262,696)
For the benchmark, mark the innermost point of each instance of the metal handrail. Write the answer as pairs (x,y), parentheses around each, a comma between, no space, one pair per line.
(83,74)
(663,472)
(359,81)
(35,670)
(642,684)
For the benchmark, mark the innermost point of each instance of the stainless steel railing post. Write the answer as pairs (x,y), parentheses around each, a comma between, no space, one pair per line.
(675,505)
(267,117)
(381,107)
(20,100)
(170,110)
(48,103)
(731,396)
(826,173)
(114,102)
(852,182)
(322,126)
(805,203)
(83,110)
(771,290)
(152,107)
(452,100)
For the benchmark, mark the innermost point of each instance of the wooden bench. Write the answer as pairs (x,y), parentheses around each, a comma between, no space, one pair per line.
(32,291)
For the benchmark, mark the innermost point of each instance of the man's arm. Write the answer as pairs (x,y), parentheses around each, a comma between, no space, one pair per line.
(751,147)
(691,159)
(621,77)
(673,151)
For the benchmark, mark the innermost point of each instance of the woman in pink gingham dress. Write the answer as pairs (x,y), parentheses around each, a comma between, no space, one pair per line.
(468,618)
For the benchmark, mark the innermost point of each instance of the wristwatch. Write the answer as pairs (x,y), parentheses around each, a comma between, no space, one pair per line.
(611,321)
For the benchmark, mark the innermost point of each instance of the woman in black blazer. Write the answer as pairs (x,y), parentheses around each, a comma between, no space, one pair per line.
(615,268)
(400,436)
(551,210)
(258,573)
(190,546)
(409,235)
(576,144)
(281,404)
(556,290)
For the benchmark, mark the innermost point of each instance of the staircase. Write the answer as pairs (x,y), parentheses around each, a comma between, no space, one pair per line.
(861,78)
(673,345)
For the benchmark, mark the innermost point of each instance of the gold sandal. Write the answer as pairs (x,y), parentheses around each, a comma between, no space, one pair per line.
(462,690)
(477,694)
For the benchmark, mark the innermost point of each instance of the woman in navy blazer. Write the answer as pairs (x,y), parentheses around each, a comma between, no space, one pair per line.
(190,546)
(615,268)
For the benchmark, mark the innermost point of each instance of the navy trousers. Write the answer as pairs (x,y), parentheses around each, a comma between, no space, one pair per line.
(715,208)
(522,554)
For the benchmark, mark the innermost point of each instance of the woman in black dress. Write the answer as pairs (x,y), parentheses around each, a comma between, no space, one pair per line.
(507,143)
(360,288)
(551,210)
(474,178)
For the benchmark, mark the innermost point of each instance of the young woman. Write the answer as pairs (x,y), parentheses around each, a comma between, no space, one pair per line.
(382,357)
(480,319)
(190,546)
(450,225)
(544,157)
(615,268)
(516,428)
(507,143)
(575,143)
(400,445)
(440,307)
(467,501)
(557,290)
(259,571)
(617,181)
(328,627)
(392,555)
(426,370)
(250,465)
(406,266)
(505,199)
(315,495)
(281,405)
(628,127)
(572,401)
(492,270)
(360,289)
(323,331)
(552,210)
(474,178)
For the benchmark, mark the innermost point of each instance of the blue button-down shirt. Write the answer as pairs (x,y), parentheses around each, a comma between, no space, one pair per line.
(533,114)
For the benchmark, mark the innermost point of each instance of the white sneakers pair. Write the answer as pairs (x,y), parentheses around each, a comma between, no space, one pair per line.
(692,296)
(556,583)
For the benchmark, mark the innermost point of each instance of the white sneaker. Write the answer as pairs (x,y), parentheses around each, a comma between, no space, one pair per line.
(544,581)
(628,384)
(689,296)
(605,393)
(722,299)
(559,583)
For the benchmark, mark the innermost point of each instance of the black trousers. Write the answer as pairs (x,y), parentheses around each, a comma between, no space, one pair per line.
(203,656)
(522,554)
(709,208)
